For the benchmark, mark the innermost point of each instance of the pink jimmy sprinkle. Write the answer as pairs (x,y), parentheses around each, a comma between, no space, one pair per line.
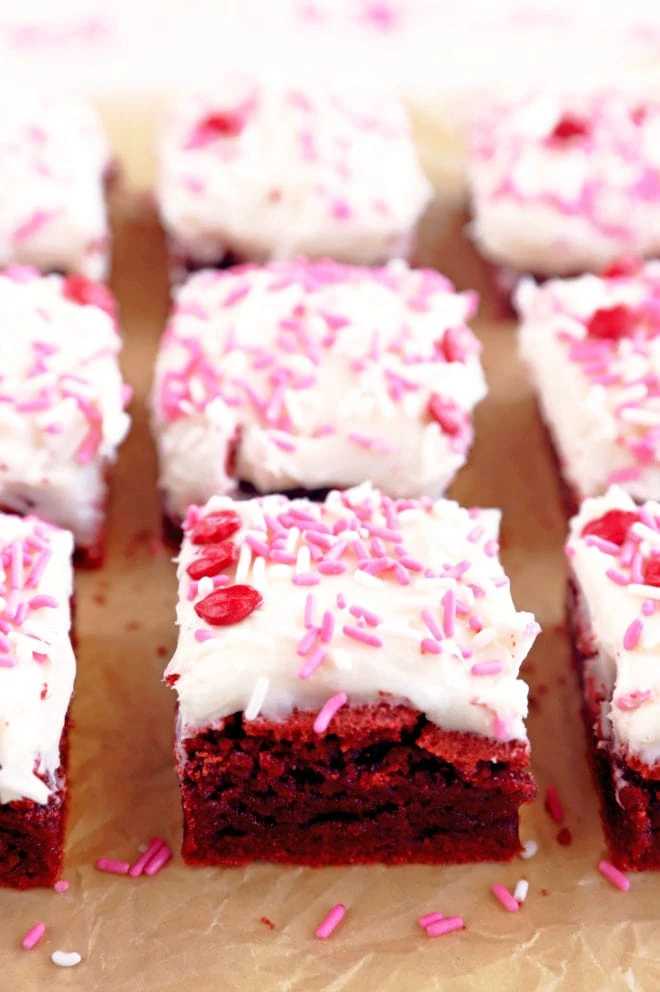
(310,609)
(429,646)
(475,535)
(281,556)
(432,624)
(158,861)
(334,917)
(8,662)
(341,601)
(306,579)
(505,898)
(491,548)
(112,866)
(449,612)
(412,563)
(648,607)
(328,711)
(618,577)
(553,804)
(307,641)
(362,635)
(607,547)
(614,876)
(43,602)
(632,700)
(33,936)
(401,574)
(16,570)
(428,918)
(155,844)
(61,886)
(633,634)
(203,635)
(259,546)
(447,925)
(487,668)
(312,662)
(327,627)
(373,619)
(332,567)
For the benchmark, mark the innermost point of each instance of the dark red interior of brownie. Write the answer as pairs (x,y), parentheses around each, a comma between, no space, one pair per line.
(32,838)
(382,785)
(630,800)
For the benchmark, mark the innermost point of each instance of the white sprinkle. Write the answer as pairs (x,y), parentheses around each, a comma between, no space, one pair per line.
(483,638)
(530,848)
(292,540)
(409,516)
(205,586)
(648,592)
(256,518)
(244,562)
(303,560)
(364,579)
(257,698)
(259,573)
(341,658)
(645,418)
(280,571)
(646,533)
(521,890)
(66,959)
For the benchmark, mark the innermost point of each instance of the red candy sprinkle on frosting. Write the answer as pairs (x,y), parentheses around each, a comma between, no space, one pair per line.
(570,126)
(215,527)
(611,323)
(87,292)
(622,267)
(613,526)
(226,606)
(213,560)
(651,572)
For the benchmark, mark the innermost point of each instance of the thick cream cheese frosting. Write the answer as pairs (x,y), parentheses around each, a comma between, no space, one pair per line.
(315,375)
(54,159)
(268,170)
(37,663)
(404,600)
(62,400)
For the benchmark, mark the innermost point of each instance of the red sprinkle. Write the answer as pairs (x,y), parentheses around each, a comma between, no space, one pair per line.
(613,526)
(553,804)
(613,875)
(86,292)
(626,265)
(215,527)
(651,572)
(570,126)
(213,559)
(565,837)
(611,323)
(231,605)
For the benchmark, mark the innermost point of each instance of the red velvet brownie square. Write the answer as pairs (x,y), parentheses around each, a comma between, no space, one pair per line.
(592,346)
(614,609)
(37,670)
(347,681)
(268,169)
(54,166)
(62,400)
(312,375)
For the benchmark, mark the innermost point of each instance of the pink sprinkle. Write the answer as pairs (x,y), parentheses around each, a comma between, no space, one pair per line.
(341,601)
(314,661)
(441,927)
(401,574)
(112,866)
(16,573)
(159,860)
(33,936)
(553,804)
(61,886)
(155,845)
(34,223)
(277,554)
(475,624)
(310,608)
(487,668)
(373,619)
(505,898)
(332,567)
(412,563)
(613,875)
(432,624)
(327,627)
(258,546)
(624,475)
(203,635)
(633,634)
(43,601)
(607,547)
(648,607)
(491,548)
(475,535)
(429,918)
(307,641)
(328,710)
(8,662)
(334,917)
(449,612)
(363,635)
(618,577)
(632,700)
(429,646)
(306,579)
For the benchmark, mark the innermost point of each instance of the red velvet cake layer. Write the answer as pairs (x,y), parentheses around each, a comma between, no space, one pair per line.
(32,837)
(630,796)
(384,786)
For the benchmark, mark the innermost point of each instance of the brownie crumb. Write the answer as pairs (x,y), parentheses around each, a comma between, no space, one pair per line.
(564,837)
(267,923)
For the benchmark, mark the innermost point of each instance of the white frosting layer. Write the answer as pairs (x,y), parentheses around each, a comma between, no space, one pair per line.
(555,205)
(61,402)
(267,170)
(323,372)
(54,158)
(599,397)
(627,673)
(34,691)
(441,551)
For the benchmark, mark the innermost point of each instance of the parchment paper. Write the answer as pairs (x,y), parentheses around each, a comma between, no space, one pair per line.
(202,929)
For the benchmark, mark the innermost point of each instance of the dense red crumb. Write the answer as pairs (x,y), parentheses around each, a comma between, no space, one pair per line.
(564,837)
(213,559)
(651,572)
(133,625)
(383,785)
(99,598)
(613,526)
(80,289)
(570,126)
(225,606)
(629,791)
(214,527)
(267,923)
(611,323)
(544,892)
(162,651)
(626,265)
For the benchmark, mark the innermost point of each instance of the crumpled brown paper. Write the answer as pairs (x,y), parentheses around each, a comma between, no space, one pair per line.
(209,929)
